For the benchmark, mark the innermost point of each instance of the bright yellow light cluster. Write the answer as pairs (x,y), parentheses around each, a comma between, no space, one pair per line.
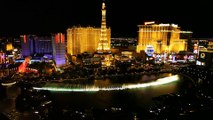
(163,37)
(9,47)
(84,39)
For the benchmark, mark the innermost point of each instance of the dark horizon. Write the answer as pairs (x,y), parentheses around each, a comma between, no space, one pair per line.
(51,16)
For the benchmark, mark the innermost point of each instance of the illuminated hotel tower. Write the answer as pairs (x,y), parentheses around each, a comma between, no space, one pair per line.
(59,49)
(43,45)
(32,44)
(83,39)
(26,45)
(104,43)
(163,37)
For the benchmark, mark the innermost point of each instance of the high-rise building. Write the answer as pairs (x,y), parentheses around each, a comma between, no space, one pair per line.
(32,45)
(26,45)
(43,45)
(83,39)
(58,41)
(162,37)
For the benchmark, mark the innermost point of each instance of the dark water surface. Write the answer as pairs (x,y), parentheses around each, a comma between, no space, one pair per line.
(130,99)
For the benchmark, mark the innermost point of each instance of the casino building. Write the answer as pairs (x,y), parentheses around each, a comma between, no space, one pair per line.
(205,57)
(163,37)
(32,45)
(84,39)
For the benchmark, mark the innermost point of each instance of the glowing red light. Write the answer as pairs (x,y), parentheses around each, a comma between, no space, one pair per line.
(25,38)
(62,38)
(57,38)
(22,67)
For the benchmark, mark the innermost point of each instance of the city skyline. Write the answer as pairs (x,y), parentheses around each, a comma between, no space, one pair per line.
(123,17)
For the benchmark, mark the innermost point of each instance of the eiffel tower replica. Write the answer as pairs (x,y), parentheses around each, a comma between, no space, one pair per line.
(103,49)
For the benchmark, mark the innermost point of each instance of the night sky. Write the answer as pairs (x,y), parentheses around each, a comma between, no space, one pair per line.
(50,16)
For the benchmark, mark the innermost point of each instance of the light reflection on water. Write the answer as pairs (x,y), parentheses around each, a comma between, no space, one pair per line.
(106,87)
(134,99)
